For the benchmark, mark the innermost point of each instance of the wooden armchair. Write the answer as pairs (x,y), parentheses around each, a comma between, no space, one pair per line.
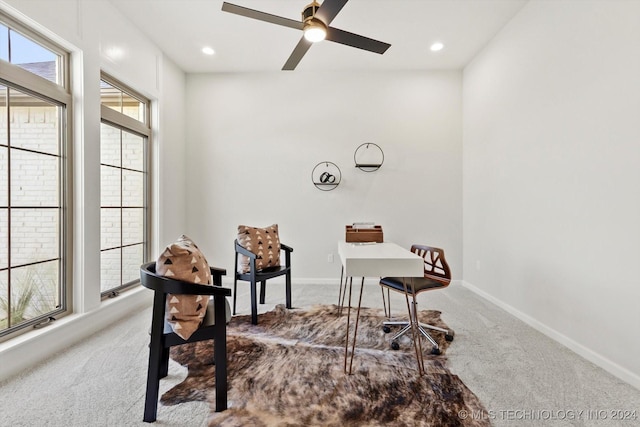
(254,276)
(214,326)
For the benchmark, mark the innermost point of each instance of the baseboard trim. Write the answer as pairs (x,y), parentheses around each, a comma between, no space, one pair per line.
(608,365)
(31,348)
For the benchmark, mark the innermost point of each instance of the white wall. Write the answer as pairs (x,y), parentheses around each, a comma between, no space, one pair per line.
(170,198)
(254,140)
(551,175)
(99,37)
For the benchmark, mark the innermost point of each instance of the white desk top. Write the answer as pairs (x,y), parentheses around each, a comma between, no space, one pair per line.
(379,260)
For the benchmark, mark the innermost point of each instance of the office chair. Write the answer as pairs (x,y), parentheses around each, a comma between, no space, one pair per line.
(436,276)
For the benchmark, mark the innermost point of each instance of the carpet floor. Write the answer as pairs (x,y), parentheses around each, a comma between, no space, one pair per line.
(515,371)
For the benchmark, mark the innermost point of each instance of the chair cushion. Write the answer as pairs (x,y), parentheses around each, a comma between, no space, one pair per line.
(419,284)
(182,260)
(210,317)
(264,242)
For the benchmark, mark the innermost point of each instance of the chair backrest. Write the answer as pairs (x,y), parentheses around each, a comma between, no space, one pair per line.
(435,264)
(151,280)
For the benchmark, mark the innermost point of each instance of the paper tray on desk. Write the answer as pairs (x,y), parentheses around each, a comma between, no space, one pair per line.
(364,234)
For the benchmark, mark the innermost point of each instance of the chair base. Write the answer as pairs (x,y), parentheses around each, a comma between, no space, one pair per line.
(254,297)
(421,328)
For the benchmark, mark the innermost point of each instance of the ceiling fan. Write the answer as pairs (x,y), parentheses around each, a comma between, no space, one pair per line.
(315,25)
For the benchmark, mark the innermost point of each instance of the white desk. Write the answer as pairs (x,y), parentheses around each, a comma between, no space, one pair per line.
(379,259)
(374,260)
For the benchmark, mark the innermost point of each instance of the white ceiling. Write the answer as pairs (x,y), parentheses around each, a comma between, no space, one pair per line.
(182,27)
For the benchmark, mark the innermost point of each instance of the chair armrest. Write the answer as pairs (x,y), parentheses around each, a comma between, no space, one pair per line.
(252,257)
(287,254)
(186,288)
(218,270)
(245,252)
(153,281)
(216,275)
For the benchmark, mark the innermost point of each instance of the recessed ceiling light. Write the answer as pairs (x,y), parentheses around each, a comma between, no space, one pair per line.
(208,50)
(436,46)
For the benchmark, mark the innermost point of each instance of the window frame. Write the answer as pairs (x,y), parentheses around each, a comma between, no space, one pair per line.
(14,77)
(143,129)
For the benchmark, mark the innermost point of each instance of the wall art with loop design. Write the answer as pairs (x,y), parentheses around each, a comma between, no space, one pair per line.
(368,157)
(326,176)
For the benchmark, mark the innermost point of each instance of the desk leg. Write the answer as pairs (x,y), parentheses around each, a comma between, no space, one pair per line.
(355,331)
(344,294)
(417,344)
(387,313)
(346,340)
(417,333)
(340,295)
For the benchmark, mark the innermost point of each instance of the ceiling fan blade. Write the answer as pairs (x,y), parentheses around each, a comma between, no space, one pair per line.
(355,40)
(261,16)
(329,9)
(301,48)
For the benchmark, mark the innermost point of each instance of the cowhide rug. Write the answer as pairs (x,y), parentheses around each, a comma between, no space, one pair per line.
(288,371)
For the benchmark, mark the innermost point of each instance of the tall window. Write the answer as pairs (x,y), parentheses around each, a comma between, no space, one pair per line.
(124,140)
(34,96)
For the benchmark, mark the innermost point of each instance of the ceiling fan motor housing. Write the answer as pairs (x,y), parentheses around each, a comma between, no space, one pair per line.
(310,10)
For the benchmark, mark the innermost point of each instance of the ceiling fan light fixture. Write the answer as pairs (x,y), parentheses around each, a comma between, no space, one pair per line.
(314,30)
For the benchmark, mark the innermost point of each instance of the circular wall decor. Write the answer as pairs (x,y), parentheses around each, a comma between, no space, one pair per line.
(326,176)
(368,157)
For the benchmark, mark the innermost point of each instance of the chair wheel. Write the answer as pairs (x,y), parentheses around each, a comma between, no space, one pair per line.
(435,351)
(449,336)
(386,329)
(395,345)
